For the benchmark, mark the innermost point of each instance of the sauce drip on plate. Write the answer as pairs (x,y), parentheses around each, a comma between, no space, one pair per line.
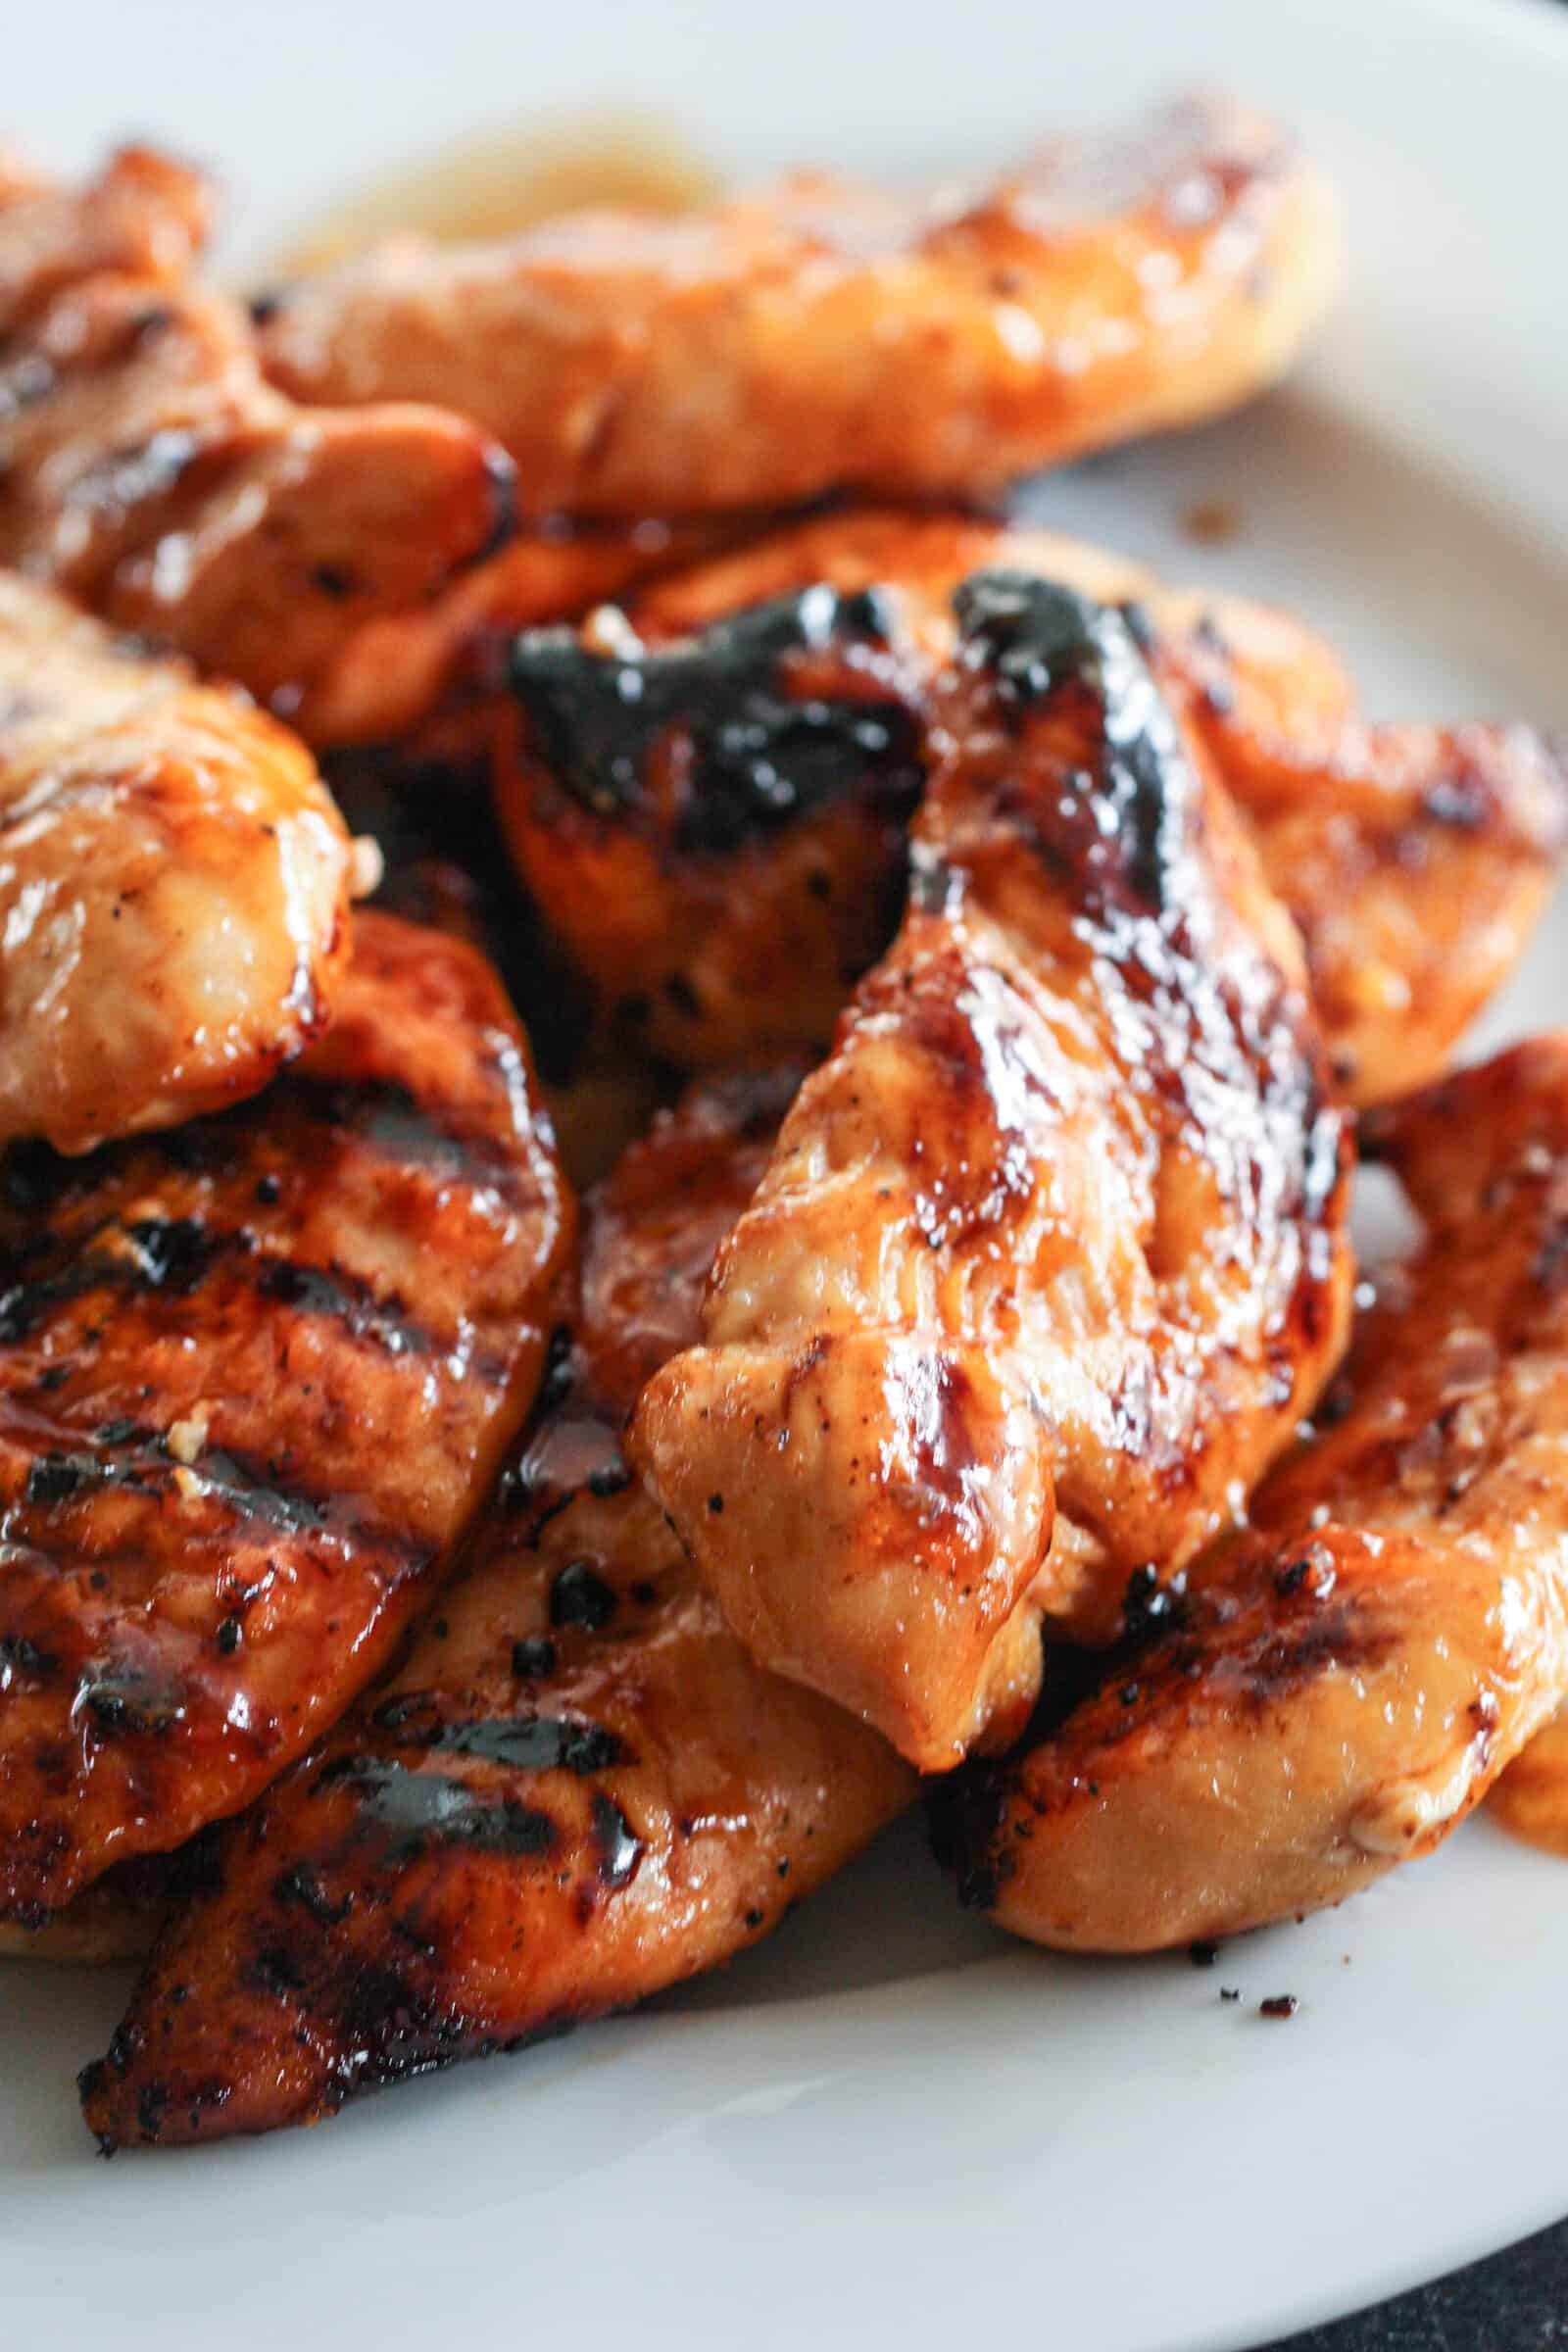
(496,183)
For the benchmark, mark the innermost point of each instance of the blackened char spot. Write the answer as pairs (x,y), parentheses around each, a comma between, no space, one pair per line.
(388,1117)
(418,1808)
(1121,827)
(525,1742)
(139,1461)
(151,1253)
(302,1886)
(119,1700)
(964,1815)
(579,1595)
(620,1849)
(19,1655)
(346,1299)
(762,753)
(501,476)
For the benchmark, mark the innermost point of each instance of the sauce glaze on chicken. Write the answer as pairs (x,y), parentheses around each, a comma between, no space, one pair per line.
(575,1789)
(767,349)
(254,1377)
(174,885)
(1332,1692)
(1050,1256)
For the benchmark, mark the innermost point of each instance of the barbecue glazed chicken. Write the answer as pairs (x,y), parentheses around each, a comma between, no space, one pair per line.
(147,469)
(1049,1259)
(439,1635)
(1335,1689)
(174,885)
(820,335)
(254,1377)
(712,790)
(576,1789)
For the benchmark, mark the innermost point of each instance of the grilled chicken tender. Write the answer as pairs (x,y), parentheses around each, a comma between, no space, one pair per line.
(763,351)
(575,1789)
(174,885)
(1051,1255)
(1337,1689)
(254,1377)
(148,469)
(708,794)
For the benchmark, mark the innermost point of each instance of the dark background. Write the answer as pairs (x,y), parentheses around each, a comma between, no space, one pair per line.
(1515,2302)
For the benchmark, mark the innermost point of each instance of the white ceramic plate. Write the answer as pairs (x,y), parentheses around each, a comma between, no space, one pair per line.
(888,2125)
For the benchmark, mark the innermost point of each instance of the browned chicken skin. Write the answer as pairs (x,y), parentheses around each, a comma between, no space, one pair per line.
(575,1789)
(721,861)
(764,351)
(148,469)
(254,1376)
(1336,1690)
(1049,1259)
(174,885)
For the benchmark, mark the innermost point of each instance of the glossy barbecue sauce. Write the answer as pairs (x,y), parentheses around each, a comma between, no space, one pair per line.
(507,180)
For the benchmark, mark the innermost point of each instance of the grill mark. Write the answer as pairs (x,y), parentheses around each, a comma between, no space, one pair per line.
(522,1744)
(346,1299)
(382,1114)
(250,1491)
(132,1270)
(416,1808)
(392,1122)
(173,1256)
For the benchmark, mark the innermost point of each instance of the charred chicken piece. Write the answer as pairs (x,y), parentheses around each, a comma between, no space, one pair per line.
(1049,1259)
(708,794)
(576,1789)
(174,885)
(763,352)
(1337,1689)
(254,1377)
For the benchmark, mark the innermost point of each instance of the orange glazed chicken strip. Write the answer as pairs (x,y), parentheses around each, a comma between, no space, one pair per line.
(820,335)
(148,469)
(1335,1691)
(575,1789)
(254,1377)
(174,885)
(1049,1259)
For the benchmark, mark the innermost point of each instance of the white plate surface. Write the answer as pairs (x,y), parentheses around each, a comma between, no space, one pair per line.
(888,2125)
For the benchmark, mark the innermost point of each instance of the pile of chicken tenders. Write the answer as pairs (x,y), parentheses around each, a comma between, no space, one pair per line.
(677,1115)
